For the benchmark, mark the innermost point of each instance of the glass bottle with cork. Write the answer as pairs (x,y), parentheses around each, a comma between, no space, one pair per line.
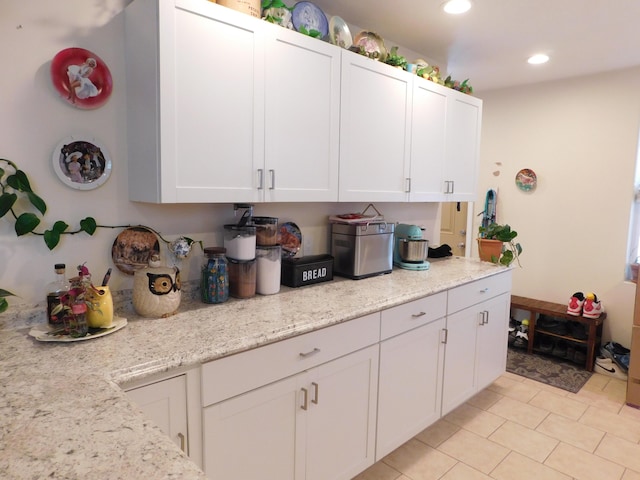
(56,293)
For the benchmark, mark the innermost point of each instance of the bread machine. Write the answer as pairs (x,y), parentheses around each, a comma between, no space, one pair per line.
(362,250)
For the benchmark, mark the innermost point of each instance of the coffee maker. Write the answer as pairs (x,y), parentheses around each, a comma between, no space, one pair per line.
(410,249)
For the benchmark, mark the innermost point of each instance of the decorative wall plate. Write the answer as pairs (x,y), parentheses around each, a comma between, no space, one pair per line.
(81,78)
(339,33)
(81,163)
(133,248)
(307,17)
(290,237)
(526,179)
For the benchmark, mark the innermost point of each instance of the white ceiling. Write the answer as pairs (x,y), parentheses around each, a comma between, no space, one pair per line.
(491,43)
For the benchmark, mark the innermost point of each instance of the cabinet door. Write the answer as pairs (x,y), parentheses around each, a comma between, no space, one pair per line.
(165,404)
(254,435)
(460,358)
(491,344)
(464,119)
(410,385)
(375,116)
(428,141)
(195,102)
(302,114)
(341,416)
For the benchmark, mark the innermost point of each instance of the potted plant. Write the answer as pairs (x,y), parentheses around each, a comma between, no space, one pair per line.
(496,244)
(396,60)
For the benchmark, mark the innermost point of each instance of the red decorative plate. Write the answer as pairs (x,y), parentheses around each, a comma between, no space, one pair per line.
(81,78)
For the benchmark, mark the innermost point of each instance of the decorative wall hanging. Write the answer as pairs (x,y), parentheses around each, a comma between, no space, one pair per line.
(81,78)
(133,248)
(83,164)
(526,180)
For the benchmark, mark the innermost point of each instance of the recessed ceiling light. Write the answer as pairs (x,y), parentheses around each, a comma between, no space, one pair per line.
(456,7)
(538,58)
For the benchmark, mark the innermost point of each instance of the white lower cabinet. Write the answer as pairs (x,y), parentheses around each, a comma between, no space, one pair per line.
(410,389)
(316,424)
(476,338)
(173,404)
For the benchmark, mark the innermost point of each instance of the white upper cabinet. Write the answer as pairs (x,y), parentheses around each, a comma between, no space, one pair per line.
(463,124)
(302,117)
(224,107)
(195,101)
(428,140)
(375,112)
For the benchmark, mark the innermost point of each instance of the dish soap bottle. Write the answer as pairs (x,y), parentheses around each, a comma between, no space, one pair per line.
(56,293)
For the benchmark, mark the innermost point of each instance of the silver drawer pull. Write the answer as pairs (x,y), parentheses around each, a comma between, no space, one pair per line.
(312,352)
(418,315)
(484,290)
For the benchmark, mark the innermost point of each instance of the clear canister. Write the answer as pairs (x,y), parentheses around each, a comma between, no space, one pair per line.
(240,242)
(214,280)
(242,278)
(268,269)
(266,230)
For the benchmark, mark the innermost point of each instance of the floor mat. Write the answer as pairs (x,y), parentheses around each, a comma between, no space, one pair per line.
(555,372)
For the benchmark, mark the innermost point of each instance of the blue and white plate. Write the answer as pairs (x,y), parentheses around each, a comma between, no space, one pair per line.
(307,17)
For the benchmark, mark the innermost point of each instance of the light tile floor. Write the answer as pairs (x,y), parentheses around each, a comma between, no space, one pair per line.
(519,429)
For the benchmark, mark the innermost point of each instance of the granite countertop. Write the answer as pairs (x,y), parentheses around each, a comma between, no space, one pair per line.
(64,416)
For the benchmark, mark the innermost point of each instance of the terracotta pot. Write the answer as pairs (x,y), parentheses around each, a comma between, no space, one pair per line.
(489,250)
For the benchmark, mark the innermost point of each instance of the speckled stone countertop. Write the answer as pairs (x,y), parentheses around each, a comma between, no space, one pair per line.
(64,416)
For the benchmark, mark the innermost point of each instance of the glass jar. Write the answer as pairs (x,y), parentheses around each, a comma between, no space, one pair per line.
(240,242)
(242,278)
(78,326)
(214,280)
(266,230)
(268,269)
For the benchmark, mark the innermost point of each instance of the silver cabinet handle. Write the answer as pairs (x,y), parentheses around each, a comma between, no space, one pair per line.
(182,442)
(305,397)
(418,315)
(309,353)
(484,290)
(260,179)
(408,185)
(486,317)
(453,187)
(480,318)
(315,393)
(272,174)
(445,335)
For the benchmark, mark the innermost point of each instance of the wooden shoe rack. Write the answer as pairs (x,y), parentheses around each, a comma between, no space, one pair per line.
(556,310)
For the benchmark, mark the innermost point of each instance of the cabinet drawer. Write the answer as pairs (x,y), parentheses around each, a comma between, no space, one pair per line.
(405,317)
(230,376)
(475,292)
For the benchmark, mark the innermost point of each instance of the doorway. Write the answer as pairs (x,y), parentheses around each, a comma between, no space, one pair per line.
(453,226)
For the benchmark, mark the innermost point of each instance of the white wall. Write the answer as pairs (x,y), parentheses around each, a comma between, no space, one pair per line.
(34,119)
(580,136)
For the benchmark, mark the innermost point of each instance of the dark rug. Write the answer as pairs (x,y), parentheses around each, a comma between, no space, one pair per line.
(555,372)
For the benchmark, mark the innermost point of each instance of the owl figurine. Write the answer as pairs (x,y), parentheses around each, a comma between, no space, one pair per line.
(156,290)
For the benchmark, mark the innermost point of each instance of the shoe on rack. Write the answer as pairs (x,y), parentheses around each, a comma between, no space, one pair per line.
(546,345)
(580,356)
(560,349)
(606,366)
(552,325)
(521,340)
(578,331)
(592,307)
(575,304)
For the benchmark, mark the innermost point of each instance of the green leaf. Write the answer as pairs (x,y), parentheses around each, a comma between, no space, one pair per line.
(19,181)
(6,202)
(6,293)
(26,223)
(88,225)
(37,202)
(51,238)
(60,226)
(3,305)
